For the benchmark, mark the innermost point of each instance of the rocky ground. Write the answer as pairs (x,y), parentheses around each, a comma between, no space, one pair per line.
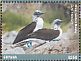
(68,44)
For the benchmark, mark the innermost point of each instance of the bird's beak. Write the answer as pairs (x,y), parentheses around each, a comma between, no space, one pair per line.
(61,21)
(42,13)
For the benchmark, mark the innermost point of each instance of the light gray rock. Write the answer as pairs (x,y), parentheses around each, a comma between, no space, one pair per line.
(17,50)
(67,44)
(9,37)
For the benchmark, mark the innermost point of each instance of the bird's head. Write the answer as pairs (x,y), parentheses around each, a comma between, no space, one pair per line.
(38,13)
(57,23)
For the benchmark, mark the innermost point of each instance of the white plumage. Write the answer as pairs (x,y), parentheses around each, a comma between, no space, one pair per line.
(39,24)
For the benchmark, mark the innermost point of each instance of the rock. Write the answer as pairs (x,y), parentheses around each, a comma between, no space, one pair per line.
(43,49)
(17,50)
(5,47)
(9,37)
(67,44)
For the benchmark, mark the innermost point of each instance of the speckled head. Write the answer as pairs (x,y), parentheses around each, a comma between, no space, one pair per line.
(57,22)
(38,13)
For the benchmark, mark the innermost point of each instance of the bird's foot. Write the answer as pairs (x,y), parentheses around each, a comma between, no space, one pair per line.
(29,44)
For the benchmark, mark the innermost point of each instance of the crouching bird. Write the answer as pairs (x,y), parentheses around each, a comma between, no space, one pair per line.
(46,34)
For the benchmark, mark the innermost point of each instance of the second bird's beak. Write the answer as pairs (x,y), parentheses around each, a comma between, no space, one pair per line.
(42,13)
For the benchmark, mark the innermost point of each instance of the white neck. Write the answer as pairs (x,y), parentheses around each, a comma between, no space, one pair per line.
(34,18)
(56,27)
(39,23)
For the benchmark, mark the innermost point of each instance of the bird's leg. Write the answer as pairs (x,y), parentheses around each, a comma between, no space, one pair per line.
(56,39)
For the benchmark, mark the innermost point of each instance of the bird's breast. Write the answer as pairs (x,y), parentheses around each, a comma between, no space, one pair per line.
(39,24)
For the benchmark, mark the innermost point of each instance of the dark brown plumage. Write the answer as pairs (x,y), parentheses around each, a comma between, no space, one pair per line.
(45,34)
(23,33)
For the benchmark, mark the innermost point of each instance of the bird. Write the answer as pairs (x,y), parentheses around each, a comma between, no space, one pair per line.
(47,34)
(37,23)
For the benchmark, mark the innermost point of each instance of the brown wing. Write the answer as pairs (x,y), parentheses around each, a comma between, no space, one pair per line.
(24,32)
(45,34)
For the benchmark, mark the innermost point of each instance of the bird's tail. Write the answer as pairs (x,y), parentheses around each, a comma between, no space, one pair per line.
(20,39)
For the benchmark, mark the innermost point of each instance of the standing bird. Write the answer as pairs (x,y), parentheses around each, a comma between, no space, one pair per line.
(47,34)
(32,27)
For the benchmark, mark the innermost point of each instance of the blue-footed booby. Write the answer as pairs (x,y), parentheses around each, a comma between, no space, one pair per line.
(37,23)
(47,34)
